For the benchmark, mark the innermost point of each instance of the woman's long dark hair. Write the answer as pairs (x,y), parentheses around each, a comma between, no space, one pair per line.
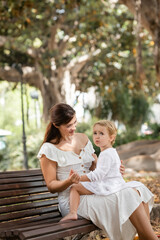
(60,114)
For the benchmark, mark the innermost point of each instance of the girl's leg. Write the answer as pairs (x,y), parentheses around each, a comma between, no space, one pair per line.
(75,192)
(141,222)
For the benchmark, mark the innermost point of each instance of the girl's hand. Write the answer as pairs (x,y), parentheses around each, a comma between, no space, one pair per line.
(122,168)
(74,176)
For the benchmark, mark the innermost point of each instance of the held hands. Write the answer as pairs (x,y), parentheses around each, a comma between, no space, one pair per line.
(74,176)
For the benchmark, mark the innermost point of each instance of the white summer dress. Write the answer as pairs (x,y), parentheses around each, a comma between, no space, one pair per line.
(110,213)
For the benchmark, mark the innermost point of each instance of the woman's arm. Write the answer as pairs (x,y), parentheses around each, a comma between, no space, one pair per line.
(49,169)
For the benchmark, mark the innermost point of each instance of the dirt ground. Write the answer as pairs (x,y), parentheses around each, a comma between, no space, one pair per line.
(153,183)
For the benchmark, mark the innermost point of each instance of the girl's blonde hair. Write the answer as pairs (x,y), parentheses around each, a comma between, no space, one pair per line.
(110,126)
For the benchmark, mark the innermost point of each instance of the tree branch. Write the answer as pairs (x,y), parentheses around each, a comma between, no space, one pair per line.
(148,13)
(2,40)
(11,75)
(77,64)
(52,45)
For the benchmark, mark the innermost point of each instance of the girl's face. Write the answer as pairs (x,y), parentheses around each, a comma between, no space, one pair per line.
(101,137)
(68,129)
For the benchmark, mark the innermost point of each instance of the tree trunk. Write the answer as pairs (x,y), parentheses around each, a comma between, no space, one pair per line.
(57,88)
(157,40)
(51,89)
(150,19)
(50,97)
(139,67)
(51,94)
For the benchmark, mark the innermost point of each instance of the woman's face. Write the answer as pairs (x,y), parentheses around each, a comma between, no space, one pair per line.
(69,128)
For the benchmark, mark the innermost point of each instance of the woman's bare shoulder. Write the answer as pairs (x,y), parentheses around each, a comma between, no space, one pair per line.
(82,137)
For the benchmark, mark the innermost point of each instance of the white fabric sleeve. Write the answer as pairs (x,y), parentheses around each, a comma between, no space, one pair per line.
(49,151)
(103,167)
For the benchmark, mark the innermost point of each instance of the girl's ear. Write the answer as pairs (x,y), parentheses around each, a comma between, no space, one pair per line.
(113,137)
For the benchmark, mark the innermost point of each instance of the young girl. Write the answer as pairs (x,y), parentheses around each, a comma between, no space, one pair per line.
(106,178)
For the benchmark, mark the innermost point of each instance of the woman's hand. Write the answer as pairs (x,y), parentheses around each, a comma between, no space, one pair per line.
(49,169)
(122,168)
(95,157)
(94,163)
(74,176)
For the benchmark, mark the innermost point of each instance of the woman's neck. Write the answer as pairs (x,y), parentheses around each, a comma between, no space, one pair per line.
(63,140)
(67,139)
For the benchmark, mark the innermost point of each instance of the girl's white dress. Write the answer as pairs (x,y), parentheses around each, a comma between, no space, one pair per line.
(106,178)
(109,212)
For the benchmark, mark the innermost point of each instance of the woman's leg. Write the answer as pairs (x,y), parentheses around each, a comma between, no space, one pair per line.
(144,204)
(146,209)
(141,222)
(75,192)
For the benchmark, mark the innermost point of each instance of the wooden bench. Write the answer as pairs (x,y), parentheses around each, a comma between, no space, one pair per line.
(28,211)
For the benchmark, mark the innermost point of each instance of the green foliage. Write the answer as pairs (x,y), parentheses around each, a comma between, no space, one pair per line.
(10,119)
(12,157)
(155,127)
(8,97)
(129,108)
(82,27)
(140,110)
(5,159)
(117,102)
(127,136)
(34,141)
(90,26)
(83,127)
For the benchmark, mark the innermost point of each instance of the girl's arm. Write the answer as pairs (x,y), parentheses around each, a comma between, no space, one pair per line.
(49,169)
(105,162)
(84,178)
(94,163)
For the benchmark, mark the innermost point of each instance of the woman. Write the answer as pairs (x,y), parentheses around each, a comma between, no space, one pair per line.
(63,153)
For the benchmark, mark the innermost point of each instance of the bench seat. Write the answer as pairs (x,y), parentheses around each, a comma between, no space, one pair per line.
(28,211)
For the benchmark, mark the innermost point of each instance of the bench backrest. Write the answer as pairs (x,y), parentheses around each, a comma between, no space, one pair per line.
(24,198)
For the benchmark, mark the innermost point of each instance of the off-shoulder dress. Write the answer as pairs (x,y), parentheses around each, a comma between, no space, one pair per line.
(109,212)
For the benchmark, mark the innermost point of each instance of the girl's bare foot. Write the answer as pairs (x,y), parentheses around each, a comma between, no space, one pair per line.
(69,216)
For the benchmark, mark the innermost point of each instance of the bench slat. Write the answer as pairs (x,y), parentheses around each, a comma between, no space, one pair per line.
(58,230)
(21,179)
(26,206)
(27,222)
(14,200)
(21,173)
(23,214)
(40,224)
(22,185)
(19,192)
